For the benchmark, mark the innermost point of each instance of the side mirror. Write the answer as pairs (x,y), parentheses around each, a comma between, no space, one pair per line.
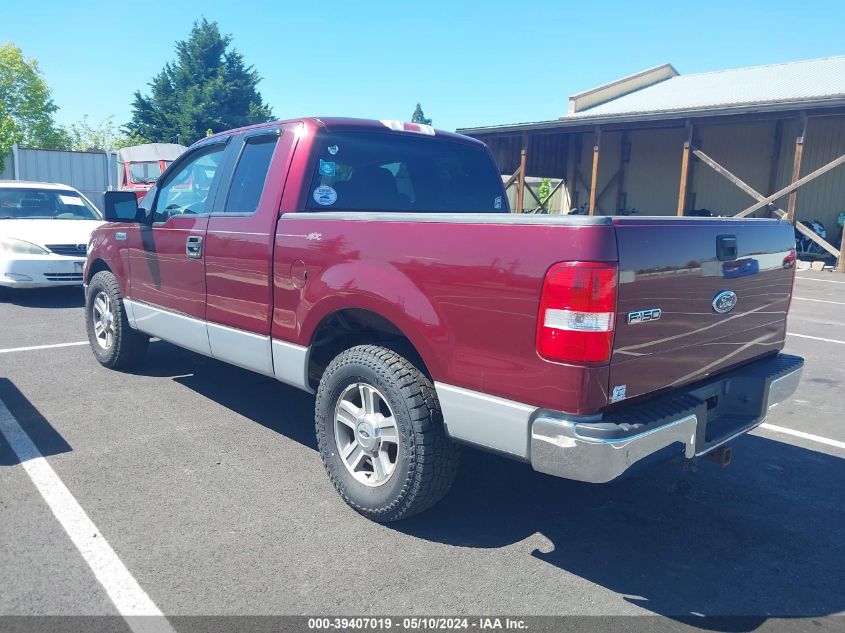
(122,206)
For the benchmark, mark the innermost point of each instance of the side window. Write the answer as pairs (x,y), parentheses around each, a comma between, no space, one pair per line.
(250,174)
(187,189)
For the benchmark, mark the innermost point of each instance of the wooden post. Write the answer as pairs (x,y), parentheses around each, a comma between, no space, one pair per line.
(796,165)
(595,174)
(685,169)
(840,261)
(777,141)
(568,197)
(520,181)
(576,170)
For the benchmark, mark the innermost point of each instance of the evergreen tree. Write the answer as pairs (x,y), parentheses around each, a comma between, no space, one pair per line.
(419,116)
(207,87)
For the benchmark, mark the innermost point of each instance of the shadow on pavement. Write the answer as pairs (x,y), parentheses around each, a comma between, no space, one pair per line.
(760,538)
(63,297)
(40,431)
(257,397)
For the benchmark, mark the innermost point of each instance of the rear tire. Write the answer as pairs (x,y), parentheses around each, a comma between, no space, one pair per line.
(391,458)
(114,343)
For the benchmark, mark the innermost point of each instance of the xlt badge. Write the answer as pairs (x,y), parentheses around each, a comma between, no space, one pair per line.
(643,316)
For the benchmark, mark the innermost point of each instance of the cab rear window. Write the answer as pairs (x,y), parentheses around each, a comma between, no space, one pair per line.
(404,172)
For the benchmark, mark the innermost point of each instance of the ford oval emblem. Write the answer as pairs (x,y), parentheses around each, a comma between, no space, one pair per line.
(725,301)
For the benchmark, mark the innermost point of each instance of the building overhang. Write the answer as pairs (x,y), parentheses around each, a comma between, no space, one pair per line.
(676,118)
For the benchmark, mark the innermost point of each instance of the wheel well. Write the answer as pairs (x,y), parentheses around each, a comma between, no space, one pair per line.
(350,327)
(97,266)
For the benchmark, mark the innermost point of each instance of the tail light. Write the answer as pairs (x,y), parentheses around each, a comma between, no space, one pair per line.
(577,311)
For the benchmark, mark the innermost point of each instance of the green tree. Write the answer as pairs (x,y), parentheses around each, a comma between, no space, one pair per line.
(419,116)
(26,105)
(104,135)
(207,86)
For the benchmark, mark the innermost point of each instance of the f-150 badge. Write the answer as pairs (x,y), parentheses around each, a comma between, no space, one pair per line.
(644,316)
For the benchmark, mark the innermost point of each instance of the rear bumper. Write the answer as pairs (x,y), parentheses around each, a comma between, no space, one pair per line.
(695,421)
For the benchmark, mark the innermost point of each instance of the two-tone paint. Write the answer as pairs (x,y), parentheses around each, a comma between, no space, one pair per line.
(463,289)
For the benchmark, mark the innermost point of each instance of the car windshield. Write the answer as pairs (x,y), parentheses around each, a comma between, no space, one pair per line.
(38,204)
(145,173)
(379,171)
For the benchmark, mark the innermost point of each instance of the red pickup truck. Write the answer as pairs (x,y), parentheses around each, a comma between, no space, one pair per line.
(376,263)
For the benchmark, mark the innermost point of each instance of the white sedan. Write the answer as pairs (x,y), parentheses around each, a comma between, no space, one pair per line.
(44,234)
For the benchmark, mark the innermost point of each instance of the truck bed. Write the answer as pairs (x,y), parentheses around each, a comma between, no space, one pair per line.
(465,289)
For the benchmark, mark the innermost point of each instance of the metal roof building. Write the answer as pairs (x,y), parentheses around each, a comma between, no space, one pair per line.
(660,143)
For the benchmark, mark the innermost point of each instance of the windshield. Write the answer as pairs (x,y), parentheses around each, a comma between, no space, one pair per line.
(54,204)
(372,171)
(145,173)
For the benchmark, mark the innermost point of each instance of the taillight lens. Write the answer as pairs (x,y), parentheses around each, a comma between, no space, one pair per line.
(577,312)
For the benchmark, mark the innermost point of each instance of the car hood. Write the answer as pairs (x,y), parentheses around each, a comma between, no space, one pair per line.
(43,232)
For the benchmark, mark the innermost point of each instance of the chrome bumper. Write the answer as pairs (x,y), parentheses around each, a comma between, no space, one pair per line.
(574,448)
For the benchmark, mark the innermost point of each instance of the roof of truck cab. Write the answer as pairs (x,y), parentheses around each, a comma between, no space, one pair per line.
(344,124)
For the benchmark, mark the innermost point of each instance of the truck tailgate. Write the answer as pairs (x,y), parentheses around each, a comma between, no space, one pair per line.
(686,269)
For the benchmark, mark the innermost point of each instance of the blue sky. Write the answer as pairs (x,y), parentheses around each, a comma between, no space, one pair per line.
(468,63)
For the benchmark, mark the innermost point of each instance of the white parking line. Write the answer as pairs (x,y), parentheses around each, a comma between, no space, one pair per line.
(824,281)
(839,303)
(125,592)
(816,338)
(9,350)
(801,434)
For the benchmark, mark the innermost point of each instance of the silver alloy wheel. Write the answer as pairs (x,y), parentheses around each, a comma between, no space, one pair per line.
(366,434)
(103,318)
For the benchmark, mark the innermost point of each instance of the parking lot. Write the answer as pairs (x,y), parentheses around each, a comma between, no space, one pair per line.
(205,481)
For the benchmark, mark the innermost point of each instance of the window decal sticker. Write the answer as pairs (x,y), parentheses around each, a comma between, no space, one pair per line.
(497,202)
(325,195)
(333,149)
(74,200)
(327,168)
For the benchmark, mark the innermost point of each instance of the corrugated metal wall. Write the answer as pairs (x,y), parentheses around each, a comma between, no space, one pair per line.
(745,150)
(546,157)
(654,172)
(92,173)
(824,198)
(609,163)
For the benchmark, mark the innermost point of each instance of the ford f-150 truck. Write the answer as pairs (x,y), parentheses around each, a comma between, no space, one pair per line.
(376,264)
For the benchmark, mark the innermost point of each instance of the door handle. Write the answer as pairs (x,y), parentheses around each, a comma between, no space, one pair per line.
(193,247)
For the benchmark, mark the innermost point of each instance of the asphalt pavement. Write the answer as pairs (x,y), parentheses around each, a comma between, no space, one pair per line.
(205,481)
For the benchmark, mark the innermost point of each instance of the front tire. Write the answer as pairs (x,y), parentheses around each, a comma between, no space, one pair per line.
(381,434)
(114,343)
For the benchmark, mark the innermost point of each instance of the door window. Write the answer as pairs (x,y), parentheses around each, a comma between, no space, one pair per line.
(186,190)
